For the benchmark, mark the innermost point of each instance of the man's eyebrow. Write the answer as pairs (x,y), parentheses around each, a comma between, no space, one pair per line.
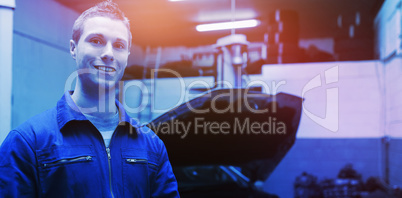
(121,40)
(101,36)
(95,34)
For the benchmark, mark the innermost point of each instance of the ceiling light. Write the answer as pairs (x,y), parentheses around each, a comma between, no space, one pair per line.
(211,16)
(227,25)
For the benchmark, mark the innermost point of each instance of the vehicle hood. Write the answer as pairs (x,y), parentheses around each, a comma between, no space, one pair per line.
(231,127)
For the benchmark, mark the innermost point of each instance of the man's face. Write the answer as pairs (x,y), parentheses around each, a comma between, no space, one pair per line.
(102,51)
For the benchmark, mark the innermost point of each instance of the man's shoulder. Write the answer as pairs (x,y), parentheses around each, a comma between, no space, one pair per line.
(147,133)
(148,137)
(139,130)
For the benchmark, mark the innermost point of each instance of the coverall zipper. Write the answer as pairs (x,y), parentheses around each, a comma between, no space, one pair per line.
(132,160)
(110,170)
(83,158)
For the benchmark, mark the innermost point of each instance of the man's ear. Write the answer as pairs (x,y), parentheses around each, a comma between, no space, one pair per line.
(73,48)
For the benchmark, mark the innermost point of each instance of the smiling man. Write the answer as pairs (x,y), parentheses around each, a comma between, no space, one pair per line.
(87,146)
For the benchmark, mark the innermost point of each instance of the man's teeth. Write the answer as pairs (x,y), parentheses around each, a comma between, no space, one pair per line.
(107,69)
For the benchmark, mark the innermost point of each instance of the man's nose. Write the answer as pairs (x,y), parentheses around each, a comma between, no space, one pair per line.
(107,54)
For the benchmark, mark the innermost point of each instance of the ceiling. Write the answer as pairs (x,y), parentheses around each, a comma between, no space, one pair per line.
(169,23)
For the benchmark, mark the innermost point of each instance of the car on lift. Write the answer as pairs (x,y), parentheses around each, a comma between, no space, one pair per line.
(224,142)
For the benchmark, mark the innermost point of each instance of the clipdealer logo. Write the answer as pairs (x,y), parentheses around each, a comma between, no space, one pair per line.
(331,119)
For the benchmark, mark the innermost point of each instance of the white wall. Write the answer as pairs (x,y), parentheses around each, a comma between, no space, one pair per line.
(359,96)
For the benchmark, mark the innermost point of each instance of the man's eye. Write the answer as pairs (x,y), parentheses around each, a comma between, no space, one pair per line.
(119,45)
(96,41)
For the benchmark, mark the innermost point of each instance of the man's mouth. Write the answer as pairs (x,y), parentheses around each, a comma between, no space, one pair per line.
(105,68)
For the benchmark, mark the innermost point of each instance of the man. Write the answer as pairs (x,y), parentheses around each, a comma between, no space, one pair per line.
(87,145)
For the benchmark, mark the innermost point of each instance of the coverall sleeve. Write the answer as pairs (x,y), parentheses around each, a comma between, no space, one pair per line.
(18,173)
(165,182)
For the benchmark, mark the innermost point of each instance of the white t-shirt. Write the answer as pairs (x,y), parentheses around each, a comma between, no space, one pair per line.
(105,126)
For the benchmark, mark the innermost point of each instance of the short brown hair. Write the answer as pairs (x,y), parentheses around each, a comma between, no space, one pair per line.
(104,9)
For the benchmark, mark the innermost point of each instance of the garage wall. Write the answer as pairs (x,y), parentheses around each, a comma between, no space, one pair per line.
(41,58)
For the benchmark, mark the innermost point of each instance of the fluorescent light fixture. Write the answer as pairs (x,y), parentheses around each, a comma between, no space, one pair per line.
(211,16)
(227,25)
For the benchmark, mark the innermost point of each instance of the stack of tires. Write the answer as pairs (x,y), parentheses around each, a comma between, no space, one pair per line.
(354,39)
(282,38)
